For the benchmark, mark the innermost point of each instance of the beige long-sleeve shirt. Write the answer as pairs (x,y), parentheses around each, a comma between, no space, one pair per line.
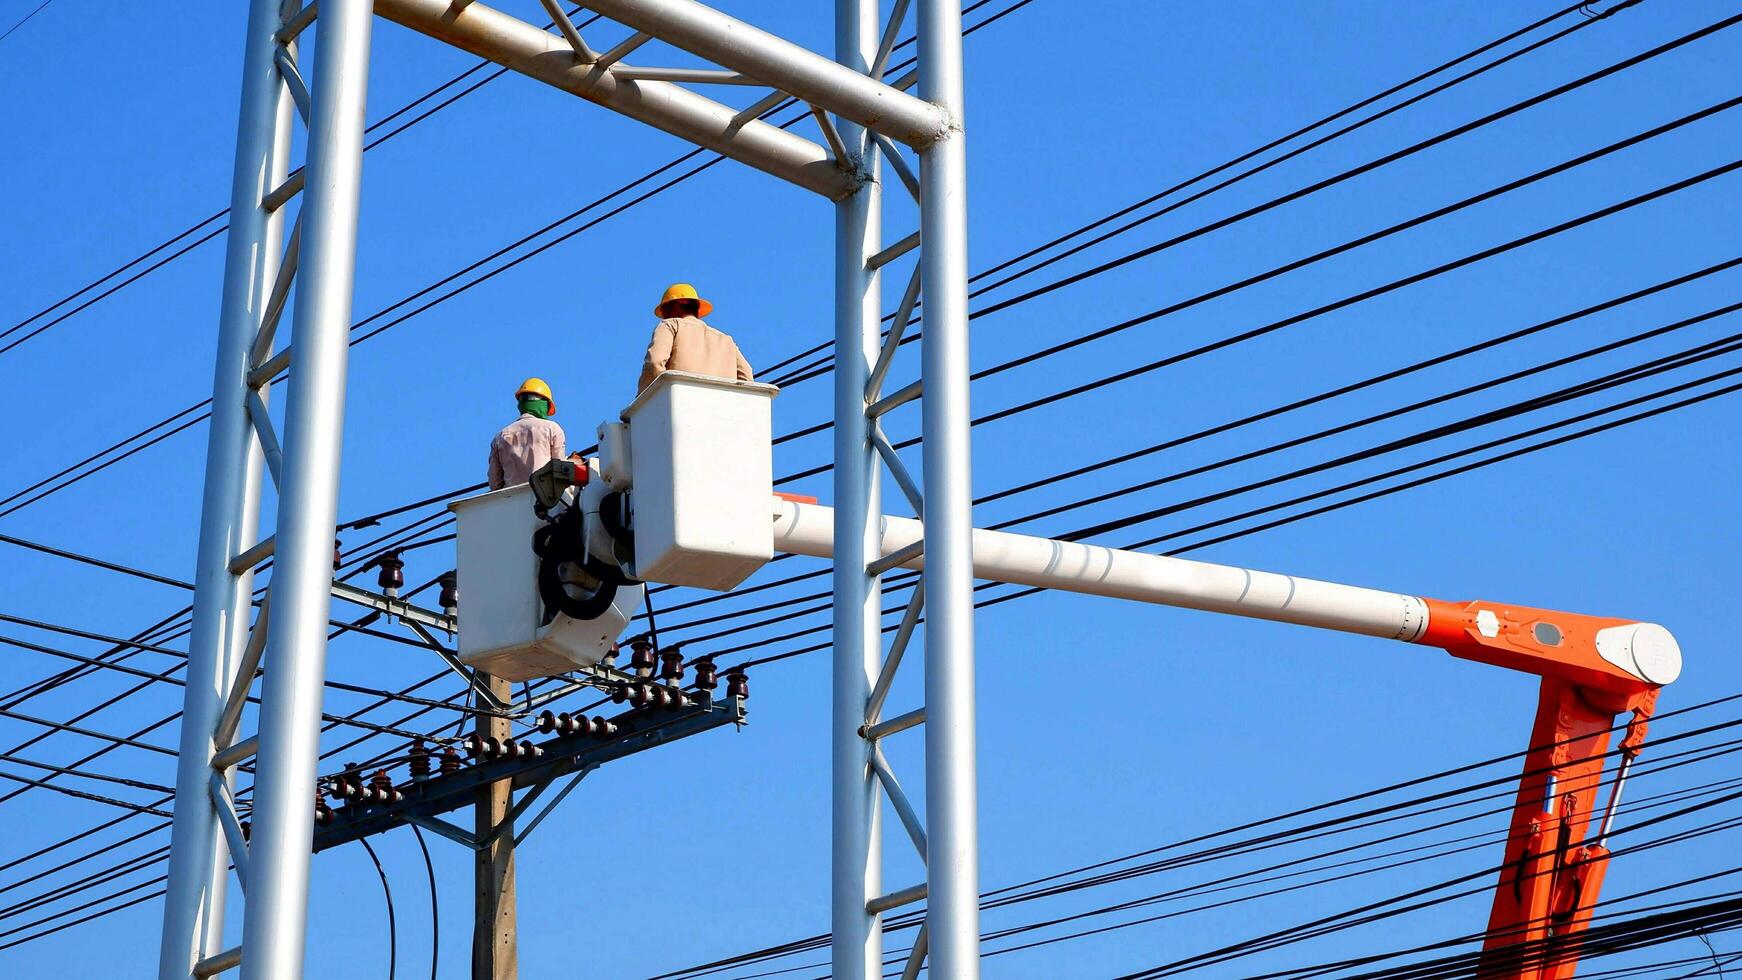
(685,343)
(522,447)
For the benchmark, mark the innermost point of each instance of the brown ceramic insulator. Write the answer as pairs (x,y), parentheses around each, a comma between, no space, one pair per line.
(707,674)
(671,665)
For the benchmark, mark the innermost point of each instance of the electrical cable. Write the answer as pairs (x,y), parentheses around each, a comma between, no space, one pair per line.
(1352,299)
(435,909)
(1294,195)
(163,677)
(392,922)
(1413,484)
(130,866)
(1327,253)
(1484,196)
(96,562)
(1672,362)
(72,838)
(1369,912)
(1055,478)
(989,20)
(1242,158)
(1667,363)
(83,795)
(22,695)
(25,19)
(1535,403)
(1646,55)
(1017,894)
(370,145)
(11,505)
(1314,188)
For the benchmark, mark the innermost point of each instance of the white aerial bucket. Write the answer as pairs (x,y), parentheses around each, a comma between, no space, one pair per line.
(501,614)
(701,476)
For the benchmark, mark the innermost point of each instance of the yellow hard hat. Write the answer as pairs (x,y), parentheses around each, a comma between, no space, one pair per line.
(536,386)
(683,290)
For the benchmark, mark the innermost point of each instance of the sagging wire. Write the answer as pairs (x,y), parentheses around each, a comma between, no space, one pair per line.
(435,909)
(387,894)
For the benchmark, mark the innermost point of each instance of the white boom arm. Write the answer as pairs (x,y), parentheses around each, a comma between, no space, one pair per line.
(1513,636)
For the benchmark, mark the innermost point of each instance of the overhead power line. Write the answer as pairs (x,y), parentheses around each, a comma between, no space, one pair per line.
(1309,189)
(211,233)
(26,19)
(1214,847)
(402,536)
(1318,511)
(1256,170)
(1657,131)
(1284,323)
(179,422)
(12,503)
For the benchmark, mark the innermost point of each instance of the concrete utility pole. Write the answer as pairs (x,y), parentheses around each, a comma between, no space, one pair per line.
(495,943)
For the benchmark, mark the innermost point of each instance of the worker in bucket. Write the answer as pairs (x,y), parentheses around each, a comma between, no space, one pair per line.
(682,342)
(529,441)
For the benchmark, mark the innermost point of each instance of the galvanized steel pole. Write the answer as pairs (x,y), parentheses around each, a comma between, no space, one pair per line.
(857,856)
(952,864)
(193,915)
(276,919)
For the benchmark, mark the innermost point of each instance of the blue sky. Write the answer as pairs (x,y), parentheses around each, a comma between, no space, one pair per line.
(1105,727)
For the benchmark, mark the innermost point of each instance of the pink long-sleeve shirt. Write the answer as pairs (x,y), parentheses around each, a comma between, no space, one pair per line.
(522,447)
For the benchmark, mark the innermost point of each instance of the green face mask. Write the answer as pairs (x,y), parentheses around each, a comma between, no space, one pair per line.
(535,406)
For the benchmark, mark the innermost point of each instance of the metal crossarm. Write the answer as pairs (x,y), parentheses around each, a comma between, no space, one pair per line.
(638,731)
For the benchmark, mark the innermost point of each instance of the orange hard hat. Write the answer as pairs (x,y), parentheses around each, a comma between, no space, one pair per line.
(683,290)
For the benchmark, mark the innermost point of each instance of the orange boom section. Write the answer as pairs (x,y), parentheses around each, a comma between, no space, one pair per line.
(1593,668)
(1619,657)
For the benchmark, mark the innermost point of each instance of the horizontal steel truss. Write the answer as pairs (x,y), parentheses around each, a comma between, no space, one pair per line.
(746,54)
(564,755)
